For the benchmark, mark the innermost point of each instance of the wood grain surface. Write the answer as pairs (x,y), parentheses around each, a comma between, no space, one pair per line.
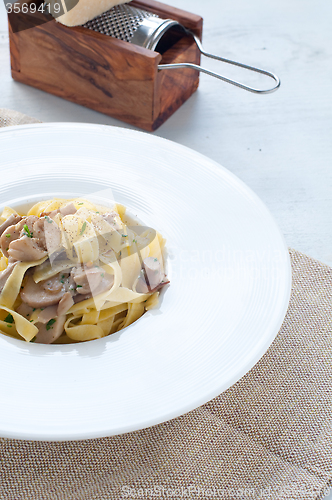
(95,71)
(174,87)
(101,72)
(14,50)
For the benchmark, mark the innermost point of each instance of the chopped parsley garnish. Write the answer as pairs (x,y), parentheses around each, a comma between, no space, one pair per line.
(7,249)
(9,318)
(78,286)
(27,231)
(50,323)
(156,260)
(97,212)
(8,235)
(125,236)
(80,203)
(34,309)
(102,275)
(83,228)
(48,219)
(9,326)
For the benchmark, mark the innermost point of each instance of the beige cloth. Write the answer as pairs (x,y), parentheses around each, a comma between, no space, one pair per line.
(9,117)
(268,436)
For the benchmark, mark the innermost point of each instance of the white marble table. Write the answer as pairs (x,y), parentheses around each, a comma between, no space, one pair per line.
(278,144)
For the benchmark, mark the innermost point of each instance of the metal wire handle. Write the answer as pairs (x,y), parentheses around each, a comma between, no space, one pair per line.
(220,77)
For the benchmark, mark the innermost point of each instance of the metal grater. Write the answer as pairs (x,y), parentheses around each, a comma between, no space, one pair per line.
(121,22)
(133,25)
(148,30)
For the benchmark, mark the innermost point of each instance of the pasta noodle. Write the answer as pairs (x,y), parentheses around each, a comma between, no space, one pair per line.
(73,271)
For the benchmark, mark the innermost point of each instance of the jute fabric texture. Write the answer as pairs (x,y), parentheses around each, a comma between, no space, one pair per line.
(268,436)
(9,117)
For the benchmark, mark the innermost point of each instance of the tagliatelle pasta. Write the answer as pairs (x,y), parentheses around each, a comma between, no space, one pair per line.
(73,271)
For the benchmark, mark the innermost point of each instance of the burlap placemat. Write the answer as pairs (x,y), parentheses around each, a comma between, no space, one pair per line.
(268,436)
(9,117)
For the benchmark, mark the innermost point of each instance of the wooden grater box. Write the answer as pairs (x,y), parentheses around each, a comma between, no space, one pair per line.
(103,73)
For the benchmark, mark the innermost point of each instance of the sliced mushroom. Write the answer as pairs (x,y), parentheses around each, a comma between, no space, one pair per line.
(49,214)
(15,232)
(47,314)
(29,222)
(65,304)
(80,298)
(26,249)
(48,234)
(87,279)
(12,233)
(68,210)
(50,331)
(151,276)
(105,284)
(24,310)
(38,232)
(11,221)
(43,294)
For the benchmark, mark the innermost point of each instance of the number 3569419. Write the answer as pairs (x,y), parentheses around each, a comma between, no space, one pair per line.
(31,8)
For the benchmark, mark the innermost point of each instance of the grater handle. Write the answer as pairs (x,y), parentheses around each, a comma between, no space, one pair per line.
(220,77)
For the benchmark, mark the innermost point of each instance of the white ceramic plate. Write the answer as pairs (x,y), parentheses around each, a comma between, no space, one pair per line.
(230,285)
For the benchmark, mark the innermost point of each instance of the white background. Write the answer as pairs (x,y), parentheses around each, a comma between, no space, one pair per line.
(279,144)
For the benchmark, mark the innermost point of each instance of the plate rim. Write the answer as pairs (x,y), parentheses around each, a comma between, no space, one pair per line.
(216,167)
